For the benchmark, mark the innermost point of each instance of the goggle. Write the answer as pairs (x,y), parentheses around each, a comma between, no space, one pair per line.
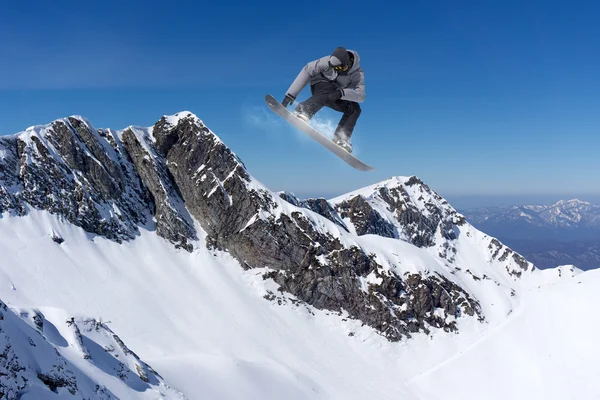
(339,68)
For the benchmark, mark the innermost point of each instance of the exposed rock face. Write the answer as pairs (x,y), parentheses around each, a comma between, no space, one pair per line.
(92,179)
(9,181)
(68,172)
(365,219)
(320,206)
(503,253)
(393,306)
(212,180)
(172,219)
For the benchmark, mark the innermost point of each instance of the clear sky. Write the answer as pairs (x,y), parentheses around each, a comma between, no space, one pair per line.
(474,97)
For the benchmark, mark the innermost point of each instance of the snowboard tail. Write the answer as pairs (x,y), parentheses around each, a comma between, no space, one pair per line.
(286,114)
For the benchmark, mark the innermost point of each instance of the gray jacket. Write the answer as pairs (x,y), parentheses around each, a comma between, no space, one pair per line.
(352,82)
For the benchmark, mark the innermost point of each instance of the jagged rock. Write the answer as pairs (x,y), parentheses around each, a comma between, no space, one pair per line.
(12,373)
(172,222)
(502,254)
(94,179)
(59,379)
(65,170)
(10,184)
(365,219)
(57,239)
(319,205)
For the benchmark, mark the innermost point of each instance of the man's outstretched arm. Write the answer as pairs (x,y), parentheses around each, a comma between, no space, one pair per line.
(311,69)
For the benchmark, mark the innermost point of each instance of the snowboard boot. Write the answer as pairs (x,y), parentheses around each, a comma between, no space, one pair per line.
(301,116)
(301,113)
(343,143)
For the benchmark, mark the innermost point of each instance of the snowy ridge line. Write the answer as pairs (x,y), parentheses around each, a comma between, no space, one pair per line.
(567,214)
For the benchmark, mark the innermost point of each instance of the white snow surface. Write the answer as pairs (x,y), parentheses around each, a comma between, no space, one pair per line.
(201,322)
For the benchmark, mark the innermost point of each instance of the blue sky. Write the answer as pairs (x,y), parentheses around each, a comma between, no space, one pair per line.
(487,98)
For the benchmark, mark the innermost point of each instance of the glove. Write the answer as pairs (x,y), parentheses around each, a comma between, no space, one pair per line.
(288,99)
(335,96)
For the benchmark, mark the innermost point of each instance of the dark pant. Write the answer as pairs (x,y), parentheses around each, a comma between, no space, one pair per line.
(320,98)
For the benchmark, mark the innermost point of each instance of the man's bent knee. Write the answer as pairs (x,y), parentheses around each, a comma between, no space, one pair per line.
(354,108)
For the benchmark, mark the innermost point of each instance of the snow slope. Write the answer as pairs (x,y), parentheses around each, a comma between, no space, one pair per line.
(202,323)
(547,349)
(41,359)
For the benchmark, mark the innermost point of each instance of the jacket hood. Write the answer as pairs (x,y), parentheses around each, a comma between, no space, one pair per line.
(356,64)
(339,56)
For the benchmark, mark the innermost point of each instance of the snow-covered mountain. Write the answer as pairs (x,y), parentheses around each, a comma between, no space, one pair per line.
(574,219)
(230,290)
(567,232)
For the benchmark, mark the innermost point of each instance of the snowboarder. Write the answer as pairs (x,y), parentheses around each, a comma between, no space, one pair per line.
(336,81)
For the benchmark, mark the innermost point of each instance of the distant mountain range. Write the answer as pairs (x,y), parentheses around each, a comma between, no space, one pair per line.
(566,232)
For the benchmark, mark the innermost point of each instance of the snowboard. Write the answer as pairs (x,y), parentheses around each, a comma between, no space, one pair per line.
(286,114)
